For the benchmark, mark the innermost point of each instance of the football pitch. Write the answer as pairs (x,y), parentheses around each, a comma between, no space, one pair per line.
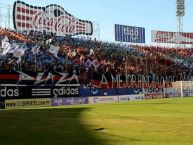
(149,122)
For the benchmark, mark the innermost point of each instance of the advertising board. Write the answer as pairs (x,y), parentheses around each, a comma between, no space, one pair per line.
(51,18)
(129,34)
(171,37)
(103,99)
(69,101)
(153,93)
(125,98)
(27,103)
(19,91)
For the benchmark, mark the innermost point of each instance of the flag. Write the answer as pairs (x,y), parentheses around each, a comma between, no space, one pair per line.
(14,47)
(49,41)
(6,46)
(95,63)
(54,50)
(35,49)
(5,39)
(91,52)
(88,63)
(28,17)
(74,53)
(18,53)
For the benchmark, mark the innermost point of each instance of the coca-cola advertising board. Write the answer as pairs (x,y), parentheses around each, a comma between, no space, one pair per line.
(171,37)
(52,18)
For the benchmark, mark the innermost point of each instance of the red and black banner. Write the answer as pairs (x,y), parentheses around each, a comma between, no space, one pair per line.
(57,84)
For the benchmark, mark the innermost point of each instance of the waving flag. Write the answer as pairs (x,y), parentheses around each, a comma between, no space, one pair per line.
(54,50)
(5,39)
(18,53)
(95,63)
(6,46)
(35,49)
(88,63)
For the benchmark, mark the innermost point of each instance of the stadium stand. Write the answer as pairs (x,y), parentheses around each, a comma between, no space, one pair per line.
(35,51)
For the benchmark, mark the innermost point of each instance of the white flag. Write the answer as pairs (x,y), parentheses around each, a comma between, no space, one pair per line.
(5,39)
(91,52)
(15,46)
(49,41)
(35,49)
(6,47)
(54,50)
(20,51)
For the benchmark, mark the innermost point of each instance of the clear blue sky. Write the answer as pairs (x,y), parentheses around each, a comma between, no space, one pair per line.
(151,14)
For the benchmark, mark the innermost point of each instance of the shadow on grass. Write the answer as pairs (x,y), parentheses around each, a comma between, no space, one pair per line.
(61,126)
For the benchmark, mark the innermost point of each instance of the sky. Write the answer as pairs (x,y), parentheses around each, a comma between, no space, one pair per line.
(150,14)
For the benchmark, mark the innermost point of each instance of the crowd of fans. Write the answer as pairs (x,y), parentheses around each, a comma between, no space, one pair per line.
(46,52)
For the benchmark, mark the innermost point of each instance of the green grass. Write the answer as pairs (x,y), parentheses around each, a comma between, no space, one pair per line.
(150,122)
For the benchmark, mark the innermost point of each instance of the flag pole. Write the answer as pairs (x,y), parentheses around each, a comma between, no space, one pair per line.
(126,71)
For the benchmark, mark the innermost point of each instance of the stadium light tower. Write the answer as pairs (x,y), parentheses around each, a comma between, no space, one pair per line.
(180,12)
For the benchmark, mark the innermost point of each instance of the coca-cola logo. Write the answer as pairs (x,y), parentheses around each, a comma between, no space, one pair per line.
(47,21)
(52,18)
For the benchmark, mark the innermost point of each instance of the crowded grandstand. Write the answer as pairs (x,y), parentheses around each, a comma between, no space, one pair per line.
(35,51)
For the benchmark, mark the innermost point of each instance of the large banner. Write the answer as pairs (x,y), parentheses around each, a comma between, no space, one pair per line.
(171,37)
(129,34)
(94,91)
(52,18)
(20,85)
